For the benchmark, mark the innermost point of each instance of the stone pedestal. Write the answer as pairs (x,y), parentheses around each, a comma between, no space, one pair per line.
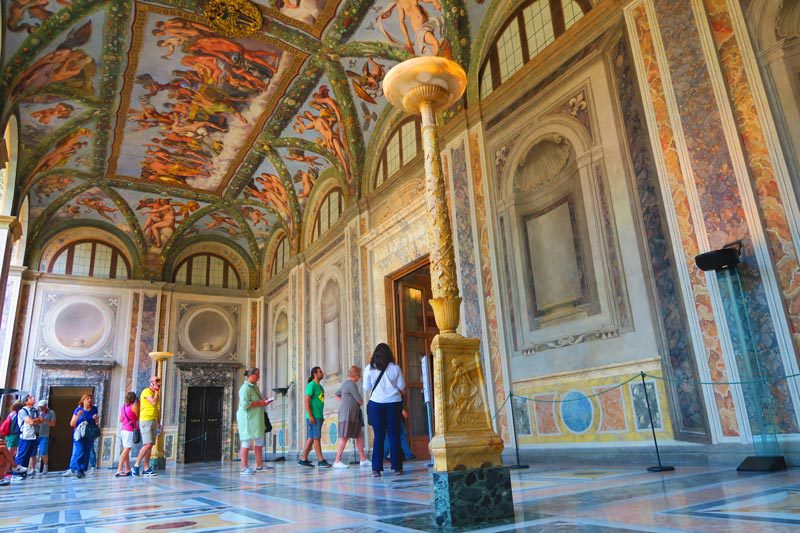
(472,496)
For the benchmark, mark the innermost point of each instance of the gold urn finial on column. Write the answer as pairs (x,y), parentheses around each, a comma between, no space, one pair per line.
(157,457)
(464,434)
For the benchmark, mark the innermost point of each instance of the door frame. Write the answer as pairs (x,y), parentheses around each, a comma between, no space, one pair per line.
(391,310)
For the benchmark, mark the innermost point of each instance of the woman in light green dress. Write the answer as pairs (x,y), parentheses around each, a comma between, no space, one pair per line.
(250,418)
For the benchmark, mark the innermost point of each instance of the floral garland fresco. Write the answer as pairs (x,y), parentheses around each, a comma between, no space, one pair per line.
(142,117)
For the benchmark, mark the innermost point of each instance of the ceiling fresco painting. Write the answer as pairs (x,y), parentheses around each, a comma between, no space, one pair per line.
(141,116)
(193,100)
(92,204)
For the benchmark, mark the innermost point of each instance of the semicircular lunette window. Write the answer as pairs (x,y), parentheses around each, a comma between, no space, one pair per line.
(403,145)
(207,270)
(329,211)
(90,258)
(531,28)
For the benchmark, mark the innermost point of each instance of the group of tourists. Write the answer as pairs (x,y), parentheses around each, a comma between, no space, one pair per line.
(26,436)
(385,412)
(27,427)
(386,387)
(26,439)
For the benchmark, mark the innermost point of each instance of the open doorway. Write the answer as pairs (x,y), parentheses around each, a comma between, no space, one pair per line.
(413,324)
(62,401)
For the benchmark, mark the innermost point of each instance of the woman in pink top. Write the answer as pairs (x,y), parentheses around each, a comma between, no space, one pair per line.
(129,420)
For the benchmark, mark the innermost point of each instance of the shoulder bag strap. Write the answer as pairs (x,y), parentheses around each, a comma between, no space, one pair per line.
(379,379)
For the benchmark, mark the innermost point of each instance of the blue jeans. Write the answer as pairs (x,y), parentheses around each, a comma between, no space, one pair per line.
(403,444)
(81,452)
(386,419)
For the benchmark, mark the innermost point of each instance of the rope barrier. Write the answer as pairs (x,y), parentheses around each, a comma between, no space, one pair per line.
(750,382)
(635,376)
(203,436)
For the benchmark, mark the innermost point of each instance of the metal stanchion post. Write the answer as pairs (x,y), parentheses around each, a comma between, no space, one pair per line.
(660,467)
(517,466)
(355,460)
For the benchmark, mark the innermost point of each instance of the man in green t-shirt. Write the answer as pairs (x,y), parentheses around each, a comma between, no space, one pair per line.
(315,404)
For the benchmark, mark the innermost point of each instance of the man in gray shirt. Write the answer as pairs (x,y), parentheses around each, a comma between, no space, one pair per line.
(48,420)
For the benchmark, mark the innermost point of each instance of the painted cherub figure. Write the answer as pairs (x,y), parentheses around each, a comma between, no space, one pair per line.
(424,27)
(94,203)
(61,110)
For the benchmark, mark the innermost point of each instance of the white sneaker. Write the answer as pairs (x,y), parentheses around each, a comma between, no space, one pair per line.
(365,463)
(263,468)
(67,473)
(247,471)
(92,471)
(32,473)
(339,464)
(19,469)
(44,470)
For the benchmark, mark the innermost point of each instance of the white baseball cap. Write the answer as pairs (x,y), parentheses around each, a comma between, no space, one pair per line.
(42,403)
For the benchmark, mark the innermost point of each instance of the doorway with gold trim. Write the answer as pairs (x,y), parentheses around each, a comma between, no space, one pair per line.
(413,327)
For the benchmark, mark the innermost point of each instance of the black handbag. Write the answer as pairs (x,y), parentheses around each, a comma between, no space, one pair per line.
(137,433)
(267,423)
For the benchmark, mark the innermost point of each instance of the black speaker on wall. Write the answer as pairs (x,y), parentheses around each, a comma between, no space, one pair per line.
(717,260)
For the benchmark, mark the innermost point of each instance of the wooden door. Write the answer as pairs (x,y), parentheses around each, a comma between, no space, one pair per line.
(213,425)
(203,424)
(417,328)
(63,401)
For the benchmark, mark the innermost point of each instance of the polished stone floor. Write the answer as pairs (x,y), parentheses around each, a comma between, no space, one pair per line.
(293,498)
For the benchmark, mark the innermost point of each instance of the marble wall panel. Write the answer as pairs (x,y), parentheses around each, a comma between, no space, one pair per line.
(132,336)
(782,249)
(720,198)
(495,355)
(612,409)
(680,357)
(147,341)
(545,409)
(468,279)
(688,233)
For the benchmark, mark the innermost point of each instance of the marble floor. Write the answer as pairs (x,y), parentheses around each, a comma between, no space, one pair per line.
(293,498)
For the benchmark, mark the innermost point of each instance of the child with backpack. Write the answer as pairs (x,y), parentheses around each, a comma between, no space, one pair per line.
(10,430)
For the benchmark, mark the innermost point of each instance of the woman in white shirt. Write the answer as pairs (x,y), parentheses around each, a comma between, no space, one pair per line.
(384,380)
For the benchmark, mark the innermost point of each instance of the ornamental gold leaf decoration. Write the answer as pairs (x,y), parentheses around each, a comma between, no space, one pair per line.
(233,18)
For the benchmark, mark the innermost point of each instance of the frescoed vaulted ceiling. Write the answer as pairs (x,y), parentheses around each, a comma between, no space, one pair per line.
(139,116)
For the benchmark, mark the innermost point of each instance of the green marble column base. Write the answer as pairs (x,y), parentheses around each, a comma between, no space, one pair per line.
(472,496)
(158,463)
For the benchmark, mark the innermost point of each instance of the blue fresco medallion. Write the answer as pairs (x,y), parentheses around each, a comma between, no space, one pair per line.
(577,412)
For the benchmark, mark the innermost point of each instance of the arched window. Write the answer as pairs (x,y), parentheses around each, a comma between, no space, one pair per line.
(529,30)
(404,144)
(207,270)
(281,256)
(91,258)
(328,213)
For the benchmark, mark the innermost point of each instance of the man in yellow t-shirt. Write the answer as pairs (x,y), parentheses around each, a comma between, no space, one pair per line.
(149,416)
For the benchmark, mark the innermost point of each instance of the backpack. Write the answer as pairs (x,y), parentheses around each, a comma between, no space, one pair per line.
(32,413)
(9,426)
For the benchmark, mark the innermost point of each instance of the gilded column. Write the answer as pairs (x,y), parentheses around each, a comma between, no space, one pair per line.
(465,445)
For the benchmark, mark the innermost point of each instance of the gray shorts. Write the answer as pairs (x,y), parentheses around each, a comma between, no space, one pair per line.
(148,429)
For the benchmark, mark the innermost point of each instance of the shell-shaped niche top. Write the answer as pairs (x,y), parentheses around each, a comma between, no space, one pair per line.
(543,162)
(789,19)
